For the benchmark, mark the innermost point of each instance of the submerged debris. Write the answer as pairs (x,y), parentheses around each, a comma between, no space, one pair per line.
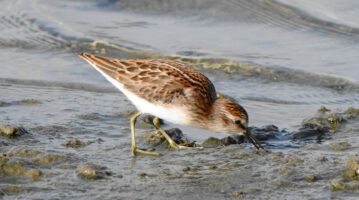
(11,132)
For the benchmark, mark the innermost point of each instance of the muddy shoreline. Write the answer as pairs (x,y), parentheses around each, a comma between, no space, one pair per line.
(87,151)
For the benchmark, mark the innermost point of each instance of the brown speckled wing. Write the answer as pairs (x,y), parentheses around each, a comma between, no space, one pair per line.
(158,80)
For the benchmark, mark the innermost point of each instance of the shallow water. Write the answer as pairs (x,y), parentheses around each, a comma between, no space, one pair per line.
(281,60)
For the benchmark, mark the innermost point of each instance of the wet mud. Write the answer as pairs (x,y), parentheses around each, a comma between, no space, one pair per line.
(92,151)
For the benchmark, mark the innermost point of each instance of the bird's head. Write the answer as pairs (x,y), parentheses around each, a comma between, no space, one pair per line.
(235,118)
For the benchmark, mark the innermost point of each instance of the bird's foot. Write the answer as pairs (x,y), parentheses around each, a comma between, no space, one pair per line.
(174,145)
(136,151)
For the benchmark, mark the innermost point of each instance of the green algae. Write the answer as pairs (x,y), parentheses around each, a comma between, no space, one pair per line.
(20,102)
(28,101)
(350,175)
(26,153)
(326,120)
(149,119)
(353,164)
(87,172)
(212,142)
(238,194)
(47,159)
(334,121)
(323,110)
(14,189)
(7,131)
(75,143)
(352,110)
(342,146)
(156,138)
(11,132)
(310,178)
(292,160)
(336,186)
(17,169)
(285,170)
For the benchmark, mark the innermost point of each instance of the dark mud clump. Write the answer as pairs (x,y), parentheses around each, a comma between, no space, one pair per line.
(259,133)
(75,143)
(325,122)
(311,178)
(265,132)
(11,132)
(87,172)
(213,142)
(92,172)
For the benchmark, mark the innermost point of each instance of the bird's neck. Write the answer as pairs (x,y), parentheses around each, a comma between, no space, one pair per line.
(214,117)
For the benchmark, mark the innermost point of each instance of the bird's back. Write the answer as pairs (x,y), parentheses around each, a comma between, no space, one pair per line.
(158,81)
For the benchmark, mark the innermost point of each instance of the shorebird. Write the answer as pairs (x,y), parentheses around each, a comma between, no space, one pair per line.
(174,92)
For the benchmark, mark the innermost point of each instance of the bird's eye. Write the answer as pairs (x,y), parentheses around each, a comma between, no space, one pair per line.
(238,121)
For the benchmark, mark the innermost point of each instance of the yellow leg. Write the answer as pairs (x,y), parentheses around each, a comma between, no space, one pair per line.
(133,148)
(172,143)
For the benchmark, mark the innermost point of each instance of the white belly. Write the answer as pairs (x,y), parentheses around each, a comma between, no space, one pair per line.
(165,112)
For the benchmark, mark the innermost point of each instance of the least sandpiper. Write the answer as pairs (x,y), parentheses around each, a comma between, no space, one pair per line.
(174,92)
